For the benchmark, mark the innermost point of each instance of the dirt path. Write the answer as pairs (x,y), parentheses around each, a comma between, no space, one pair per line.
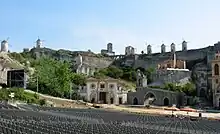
(60,102)
(162,112)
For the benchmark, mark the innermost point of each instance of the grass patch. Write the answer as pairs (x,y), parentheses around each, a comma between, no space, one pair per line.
(19,94)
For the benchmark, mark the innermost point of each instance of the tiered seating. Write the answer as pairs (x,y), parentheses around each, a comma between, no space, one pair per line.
(89,121)
(5,105)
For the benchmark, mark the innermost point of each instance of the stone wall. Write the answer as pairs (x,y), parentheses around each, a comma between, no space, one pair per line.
(3,75)
(170,76)
(88,57)
(152,60)
(159,95)
(200,75)
(97,62)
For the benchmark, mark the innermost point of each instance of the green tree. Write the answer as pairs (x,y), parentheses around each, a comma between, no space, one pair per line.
(54,76)
(149,72)
(114,72)
(99,75)
(18,57)
(170,86)
(189,89)
(78,79)
(129,74)
(111,71)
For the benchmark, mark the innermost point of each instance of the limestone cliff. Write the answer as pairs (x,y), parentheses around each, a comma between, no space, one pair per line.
(89,59)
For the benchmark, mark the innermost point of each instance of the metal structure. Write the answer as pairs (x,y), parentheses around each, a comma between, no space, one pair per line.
(16,78)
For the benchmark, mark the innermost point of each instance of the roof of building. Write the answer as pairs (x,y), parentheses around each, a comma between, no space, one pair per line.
(4,41)
(103,79)
(177,69)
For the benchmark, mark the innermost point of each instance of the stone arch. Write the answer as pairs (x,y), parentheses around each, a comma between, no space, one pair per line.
(166,101)
(149,95)
(149,98)
(216,69)
(202,92)
(135,101)
(140,68)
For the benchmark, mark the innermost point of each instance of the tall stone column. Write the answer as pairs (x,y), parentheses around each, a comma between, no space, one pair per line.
(108,98)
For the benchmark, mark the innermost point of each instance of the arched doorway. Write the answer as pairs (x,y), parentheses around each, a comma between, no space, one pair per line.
(202,92)
(216,69)
(93,97)
(135,101)
(93,100)
(166,102)
(120,100)
(111,100)
(149,98)
(149,95)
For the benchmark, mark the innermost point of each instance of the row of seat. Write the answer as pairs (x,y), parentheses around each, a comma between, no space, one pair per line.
(43,120)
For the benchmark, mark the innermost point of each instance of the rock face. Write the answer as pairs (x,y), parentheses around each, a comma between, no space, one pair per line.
(91,62)
(83,62)
(198,61)
(178,76)
(88,64)
(200,74)
(191,57)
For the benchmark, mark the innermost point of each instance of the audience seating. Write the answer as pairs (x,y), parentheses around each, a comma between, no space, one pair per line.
(47,120)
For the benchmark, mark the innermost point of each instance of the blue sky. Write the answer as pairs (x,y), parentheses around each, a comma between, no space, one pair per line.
(91,24)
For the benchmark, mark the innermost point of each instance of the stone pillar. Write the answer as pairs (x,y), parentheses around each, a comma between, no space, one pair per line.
(184,64)
(116,99)
(83,69)
(88,71)
(174,60)
(108,98)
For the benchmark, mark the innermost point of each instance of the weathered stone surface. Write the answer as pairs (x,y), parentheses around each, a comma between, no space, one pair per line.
(200,75)
(88,58)
(160,95)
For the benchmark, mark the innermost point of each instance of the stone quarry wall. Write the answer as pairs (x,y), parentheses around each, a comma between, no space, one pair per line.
(147,61)
(200,75)
(170,76)
(89,58)
(97,62)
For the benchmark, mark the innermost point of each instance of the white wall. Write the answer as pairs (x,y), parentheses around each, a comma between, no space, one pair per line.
(108,88)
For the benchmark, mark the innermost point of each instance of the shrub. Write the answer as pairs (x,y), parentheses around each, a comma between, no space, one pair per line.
(20,94)
(36,96)
(42,102)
